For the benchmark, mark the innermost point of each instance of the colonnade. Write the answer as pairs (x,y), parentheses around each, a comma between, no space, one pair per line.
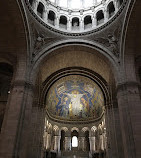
(94,142)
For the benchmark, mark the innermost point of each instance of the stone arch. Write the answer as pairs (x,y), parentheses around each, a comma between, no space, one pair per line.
(70,49)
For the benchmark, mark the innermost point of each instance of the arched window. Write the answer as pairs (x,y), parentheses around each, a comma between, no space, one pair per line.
(51,17)
(111,9)
(75,24)
(40,9)
(74,142)
(62,140)
(63,22)
(87,22)
(100,17)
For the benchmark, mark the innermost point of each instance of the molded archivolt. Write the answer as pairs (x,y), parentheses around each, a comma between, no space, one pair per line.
(75,20)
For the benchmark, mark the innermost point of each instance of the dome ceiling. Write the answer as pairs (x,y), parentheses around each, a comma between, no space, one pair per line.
(75,4)
(75,97)
(75,16)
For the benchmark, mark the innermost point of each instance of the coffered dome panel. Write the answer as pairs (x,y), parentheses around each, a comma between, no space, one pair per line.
(75,97)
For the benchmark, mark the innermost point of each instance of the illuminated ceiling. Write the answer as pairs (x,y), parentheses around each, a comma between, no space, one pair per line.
(76,4)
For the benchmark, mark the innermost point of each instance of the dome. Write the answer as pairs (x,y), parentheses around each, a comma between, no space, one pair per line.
(75,16)
(75,97)
(75,4)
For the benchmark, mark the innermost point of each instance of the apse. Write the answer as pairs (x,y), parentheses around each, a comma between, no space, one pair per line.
(75,97)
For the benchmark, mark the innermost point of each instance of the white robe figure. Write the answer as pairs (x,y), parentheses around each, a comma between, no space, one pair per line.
(75,100)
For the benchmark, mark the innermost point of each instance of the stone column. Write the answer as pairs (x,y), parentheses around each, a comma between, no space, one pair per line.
(101,142)
(94,21)
(106,16)
(130,113)
(35,6)
(111,132)
(57,143)
(116,6)
(57,22)
(48,141)
(67,142)
(92,144)
(45,16)
(69,26)
(21,90)
(82,143)
(81,25)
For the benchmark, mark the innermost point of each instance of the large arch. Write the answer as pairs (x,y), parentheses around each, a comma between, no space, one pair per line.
(74,55)
(130,58)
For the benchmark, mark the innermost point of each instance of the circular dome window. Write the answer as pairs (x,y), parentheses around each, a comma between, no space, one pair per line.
(75,98)
(74,16)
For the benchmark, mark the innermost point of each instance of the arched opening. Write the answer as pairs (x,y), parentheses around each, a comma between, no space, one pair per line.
(75,24)
(51,17)
(61,101)
(100,17)
(74,140)
(111,9)
(87,22)
(62,140)
(63,22)
(87,141)
(6,74)
(40,9)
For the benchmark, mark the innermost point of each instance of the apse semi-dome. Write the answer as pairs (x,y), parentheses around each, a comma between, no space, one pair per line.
(74,16)
(75,97)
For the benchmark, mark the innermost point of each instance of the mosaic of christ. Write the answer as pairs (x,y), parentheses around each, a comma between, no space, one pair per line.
(75,97)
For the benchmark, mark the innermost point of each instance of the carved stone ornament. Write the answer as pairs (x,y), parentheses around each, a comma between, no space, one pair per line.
(40,39)
(111,41)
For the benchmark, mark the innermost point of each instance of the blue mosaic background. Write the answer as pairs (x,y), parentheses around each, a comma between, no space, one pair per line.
(75,97)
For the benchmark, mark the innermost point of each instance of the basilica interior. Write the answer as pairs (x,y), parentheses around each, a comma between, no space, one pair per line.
(70,79)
